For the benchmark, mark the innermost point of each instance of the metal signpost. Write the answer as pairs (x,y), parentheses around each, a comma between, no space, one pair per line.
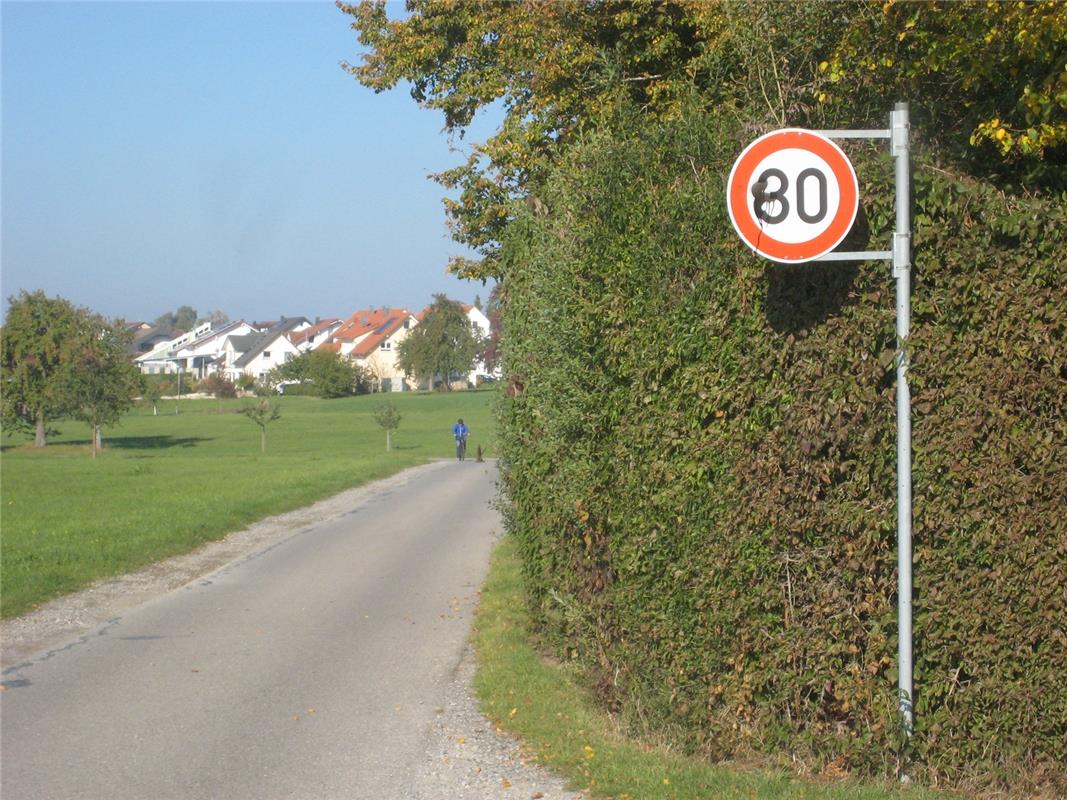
(792,195)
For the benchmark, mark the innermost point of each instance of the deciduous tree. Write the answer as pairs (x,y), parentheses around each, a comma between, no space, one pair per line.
(216,317)
(444,344)
(101,381)
(183,319)
(36,350)
(331,374)
(494,311)
(551,65)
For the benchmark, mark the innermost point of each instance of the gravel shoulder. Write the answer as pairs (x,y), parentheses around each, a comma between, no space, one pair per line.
(465,758)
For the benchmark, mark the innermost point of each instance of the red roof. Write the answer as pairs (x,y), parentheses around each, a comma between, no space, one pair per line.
(380,334)
(296,337)
(363,322)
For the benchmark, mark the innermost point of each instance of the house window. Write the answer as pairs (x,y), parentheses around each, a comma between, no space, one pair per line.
(288,357)
(386,346)
(266,353)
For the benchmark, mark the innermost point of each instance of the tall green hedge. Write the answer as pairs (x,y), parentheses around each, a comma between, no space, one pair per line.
(699,464)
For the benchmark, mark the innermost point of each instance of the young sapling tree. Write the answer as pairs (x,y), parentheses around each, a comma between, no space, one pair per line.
(263,412)
(388,419)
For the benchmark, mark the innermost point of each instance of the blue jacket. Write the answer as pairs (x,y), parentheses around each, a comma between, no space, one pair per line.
(459,430)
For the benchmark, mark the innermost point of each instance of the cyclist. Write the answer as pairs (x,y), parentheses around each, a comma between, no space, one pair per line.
(461,432)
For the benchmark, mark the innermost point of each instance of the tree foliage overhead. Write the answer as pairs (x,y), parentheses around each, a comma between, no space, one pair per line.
(445,344)
(995,72)
(974,72)
(550,64)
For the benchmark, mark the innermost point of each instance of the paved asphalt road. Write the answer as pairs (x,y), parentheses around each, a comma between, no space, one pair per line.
(311,669)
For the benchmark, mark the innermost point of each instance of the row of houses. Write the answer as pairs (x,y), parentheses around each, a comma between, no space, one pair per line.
(369,338)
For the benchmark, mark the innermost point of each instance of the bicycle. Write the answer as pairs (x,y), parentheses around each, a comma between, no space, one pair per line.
(461,447)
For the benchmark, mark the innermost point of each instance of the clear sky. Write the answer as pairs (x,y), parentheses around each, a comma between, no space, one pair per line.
(214,155)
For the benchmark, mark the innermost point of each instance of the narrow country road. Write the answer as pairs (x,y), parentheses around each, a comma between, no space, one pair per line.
(312,668)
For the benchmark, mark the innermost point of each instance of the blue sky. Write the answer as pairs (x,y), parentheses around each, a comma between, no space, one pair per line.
(215,155)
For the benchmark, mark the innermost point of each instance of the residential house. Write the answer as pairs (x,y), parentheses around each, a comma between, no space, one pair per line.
(310,337)
(482,323)
(147,338)
(258,352)
(205,355)
(163,358)
(370,339)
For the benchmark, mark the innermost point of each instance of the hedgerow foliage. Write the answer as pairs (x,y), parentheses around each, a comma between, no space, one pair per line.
(699,463)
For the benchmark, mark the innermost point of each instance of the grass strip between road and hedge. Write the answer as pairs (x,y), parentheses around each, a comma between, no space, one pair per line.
(544,705)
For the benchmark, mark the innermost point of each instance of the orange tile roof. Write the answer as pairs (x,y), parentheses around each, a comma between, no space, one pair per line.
(368,345)
(296,337)
(365,321)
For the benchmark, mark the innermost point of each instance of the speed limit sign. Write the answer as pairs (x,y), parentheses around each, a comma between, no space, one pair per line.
(792,195)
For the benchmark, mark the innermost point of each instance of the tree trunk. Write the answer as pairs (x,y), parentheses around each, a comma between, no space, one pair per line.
(263,441)
(98,440)
(38,440)
(388,441)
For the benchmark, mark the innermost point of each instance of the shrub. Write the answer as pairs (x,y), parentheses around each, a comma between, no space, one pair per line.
(699,464)
(218,386)
(299,390)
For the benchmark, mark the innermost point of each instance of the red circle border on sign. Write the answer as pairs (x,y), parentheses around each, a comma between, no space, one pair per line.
(747,226)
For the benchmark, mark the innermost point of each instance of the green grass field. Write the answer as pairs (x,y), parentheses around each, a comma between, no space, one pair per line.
(166,484)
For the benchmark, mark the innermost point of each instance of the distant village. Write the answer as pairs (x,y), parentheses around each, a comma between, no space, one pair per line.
(369,338)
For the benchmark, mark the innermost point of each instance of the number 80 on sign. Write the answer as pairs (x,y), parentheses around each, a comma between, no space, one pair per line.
(792,195)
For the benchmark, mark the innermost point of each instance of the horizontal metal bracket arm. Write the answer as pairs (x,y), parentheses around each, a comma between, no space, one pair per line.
(858,255)
(875,133)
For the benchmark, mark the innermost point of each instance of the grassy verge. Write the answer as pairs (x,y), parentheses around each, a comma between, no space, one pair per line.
(543,704)
(166,484)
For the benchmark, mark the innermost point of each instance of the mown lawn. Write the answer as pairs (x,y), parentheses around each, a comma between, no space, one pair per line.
(165,484)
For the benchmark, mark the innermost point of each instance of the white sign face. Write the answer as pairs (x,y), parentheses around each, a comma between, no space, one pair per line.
(792,195)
